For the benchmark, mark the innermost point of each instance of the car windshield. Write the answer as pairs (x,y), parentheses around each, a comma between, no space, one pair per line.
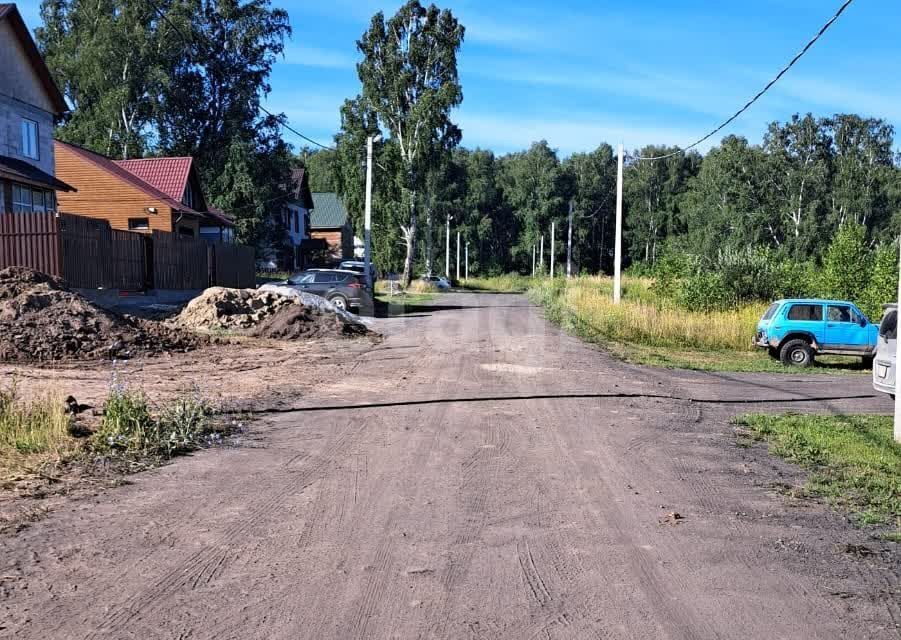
(769,313)
(888,328)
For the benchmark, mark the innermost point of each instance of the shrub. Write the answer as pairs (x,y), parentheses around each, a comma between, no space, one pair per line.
(883,284)
(705,292)
(129,427)
(847,263)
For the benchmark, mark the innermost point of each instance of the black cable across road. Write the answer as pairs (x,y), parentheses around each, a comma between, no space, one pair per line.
(760,93)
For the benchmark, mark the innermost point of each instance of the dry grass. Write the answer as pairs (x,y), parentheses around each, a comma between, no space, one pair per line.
(508,283)
(32,433)
(421,286)
(586,305)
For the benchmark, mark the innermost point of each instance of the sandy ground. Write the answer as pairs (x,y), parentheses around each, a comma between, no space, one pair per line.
(476,475)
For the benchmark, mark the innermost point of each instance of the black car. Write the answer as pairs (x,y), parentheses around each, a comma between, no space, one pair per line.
(344,289)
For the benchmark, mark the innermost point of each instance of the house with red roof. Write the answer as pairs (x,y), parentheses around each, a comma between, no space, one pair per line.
(142,194)
(30,104)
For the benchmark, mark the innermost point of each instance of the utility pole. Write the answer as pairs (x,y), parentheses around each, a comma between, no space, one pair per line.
(458,256)
(533,260)
(618,242)
(466,273)
(447,250)
(552,250)
(569,244)
(367,225)
(541,262)
(897,360)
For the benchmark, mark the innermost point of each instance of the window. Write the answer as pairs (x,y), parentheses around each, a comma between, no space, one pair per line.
(30,139)
(770,312)
(841,313)
(325,278)
(21,199)
(139,224)
(809,312)
(889,327)
(296,221)
(189,196)
(27,200)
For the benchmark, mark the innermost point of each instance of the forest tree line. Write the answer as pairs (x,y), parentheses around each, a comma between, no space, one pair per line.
(788,195)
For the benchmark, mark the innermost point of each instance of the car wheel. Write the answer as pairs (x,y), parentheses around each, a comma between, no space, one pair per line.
(867,362)
(340,302)
(796,353)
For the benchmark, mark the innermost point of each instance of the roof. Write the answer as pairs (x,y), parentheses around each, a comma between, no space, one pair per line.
(811,301)
(301,189)
(328,212)
(21,171)
(169,175)
(11,13)
(219,218)
(113,167)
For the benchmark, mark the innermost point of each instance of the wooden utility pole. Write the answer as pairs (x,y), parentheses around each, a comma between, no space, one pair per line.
(618,242)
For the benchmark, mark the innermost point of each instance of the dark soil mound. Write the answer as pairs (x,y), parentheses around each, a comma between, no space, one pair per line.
(298,321)
(42,320)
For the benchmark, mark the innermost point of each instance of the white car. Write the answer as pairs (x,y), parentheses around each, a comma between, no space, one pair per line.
(438,281)
(884,362)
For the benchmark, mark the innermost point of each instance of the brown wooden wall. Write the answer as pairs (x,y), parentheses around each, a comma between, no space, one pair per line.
(96,256)
(340,241)
(180,263)
(105,196)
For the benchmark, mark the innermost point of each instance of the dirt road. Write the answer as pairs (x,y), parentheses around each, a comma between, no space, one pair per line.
(476,475)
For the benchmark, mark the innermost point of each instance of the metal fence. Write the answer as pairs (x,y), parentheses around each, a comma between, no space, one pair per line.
(88,254)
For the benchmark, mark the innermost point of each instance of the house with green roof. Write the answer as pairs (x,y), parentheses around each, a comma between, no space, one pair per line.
(329,222)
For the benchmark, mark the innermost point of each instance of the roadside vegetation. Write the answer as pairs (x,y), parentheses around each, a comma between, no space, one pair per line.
(508,283)
(853,461)
(41,435)
(696,314)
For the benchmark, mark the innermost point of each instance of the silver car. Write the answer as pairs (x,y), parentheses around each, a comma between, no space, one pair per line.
(884,362)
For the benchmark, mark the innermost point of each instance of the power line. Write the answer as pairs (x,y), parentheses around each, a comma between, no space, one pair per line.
(748,104)
(278,119)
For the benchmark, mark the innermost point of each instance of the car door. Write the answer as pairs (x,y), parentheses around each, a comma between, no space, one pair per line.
(845,328)
(807,317)
(302,281)
(323,282)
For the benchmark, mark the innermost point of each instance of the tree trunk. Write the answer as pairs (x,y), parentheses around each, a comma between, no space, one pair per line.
(410,239)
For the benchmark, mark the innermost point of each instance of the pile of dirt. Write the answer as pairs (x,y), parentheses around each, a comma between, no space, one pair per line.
(222,309)
(42,320)
(267,314)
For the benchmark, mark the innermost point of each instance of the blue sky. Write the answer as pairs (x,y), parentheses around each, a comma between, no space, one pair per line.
(581,72)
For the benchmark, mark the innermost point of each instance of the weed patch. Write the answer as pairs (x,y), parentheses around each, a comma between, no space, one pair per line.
(853,461)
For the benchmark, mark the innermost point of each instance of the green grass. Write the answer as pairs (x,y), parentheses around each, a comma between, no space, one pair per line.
(853,461)
(509,283)
(648,329)
(32,433)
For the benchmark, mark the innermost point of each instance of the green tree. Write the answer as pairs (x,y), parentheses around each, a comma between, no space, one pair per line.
(409,80)
(847,263)
(594,199)
(110,59)
(882,287)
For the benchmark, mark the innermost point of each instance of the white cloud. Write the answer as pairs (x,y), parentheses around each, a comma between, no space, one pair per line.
(836,97)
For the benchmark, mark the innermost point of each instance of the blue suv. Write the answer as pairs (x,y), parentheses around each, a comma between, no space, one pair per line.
(795,331)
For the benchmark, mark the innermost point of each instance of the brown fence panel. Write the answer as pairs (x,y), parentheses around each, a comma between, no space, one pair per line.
(180,263)
(234,266)
(95,256)
(30,240)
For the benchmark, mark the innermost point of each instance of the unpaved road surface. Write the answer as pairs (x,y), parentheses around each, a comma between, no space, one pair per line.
(476,475)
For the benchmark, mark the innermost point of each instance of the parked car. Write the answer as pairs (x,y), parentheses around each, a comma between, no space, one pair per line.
(344,289)
(884,363)
(438,281)
(359,266)
(795,331)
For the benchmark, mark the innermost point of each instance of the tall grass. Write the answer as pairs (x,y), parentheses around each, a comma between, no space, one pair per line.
(586,306)
(31,431)
(508,283)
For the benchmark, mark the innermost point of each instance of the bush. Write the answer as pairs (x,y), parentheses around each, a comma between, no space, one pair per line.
(883,285)
(129,427)
(847,264)
(705,292)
